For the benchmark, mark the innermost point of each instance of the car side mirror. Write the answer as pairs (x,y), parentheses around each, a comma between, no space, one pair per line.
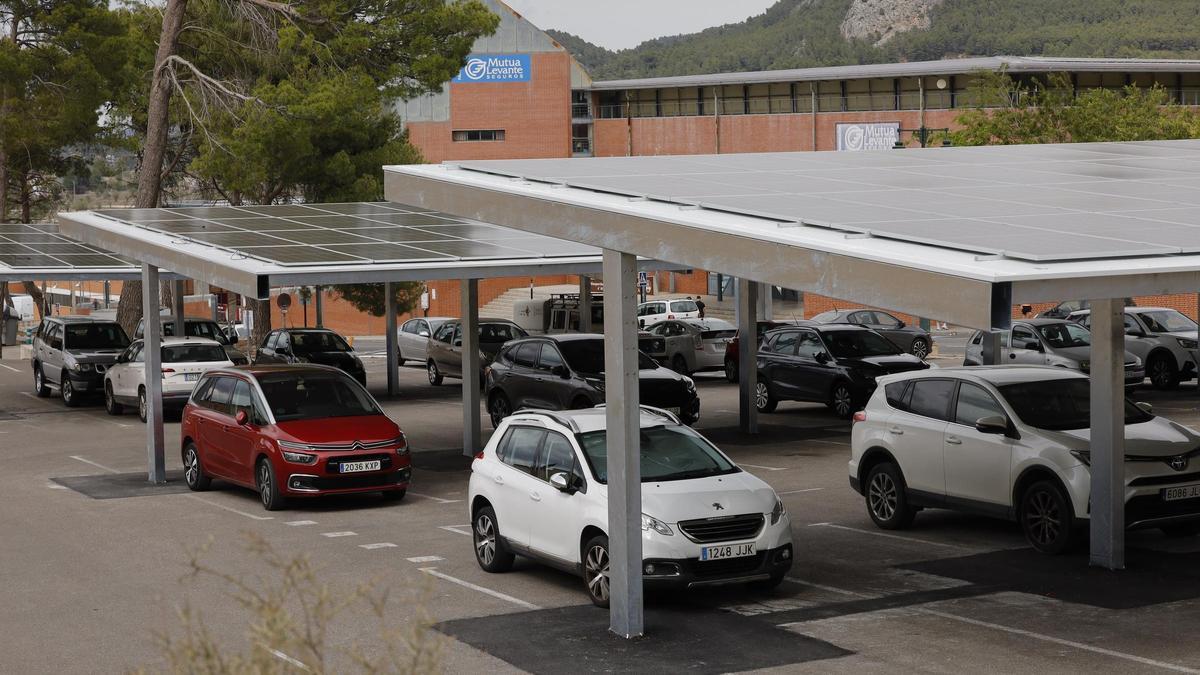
(232,337)
(994,424)
(822,357)
(1133,332)
(242,418)
(1145,407)
(562,483)
(423,333)
(900,324)
(561,371)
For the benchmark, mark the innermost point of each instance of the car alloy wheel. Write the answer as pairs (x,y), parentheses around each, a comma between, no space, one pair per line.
(191,467)
(435,377)
(731,371)
(39,382)
(264,484)
(843,401)
(68,391)
(498,409)
(142,404)
(1043,519)
(595,571)
(920,348)
(882,496)
(485,539)
(762,397)
(1162,373)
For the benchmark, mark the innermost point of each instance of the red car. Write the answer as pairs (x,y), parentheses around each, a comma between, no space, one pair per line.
(291,431)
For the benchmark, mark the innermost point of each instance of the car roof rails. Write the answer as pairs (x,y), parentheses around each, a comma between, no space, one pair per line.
(658,412)
(561,419)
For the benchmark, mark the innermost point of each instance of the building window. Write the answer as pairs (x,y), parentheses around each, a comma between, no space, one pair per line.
(478,135)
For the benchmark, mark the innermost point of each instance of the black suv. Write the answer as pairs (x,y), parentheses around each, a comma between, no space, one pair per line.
(834,364)
(566,372)
(72,353)
(311,345)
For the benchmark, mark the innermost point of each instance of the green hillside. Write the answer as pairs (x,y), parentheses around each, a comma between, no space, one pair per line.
(806,33)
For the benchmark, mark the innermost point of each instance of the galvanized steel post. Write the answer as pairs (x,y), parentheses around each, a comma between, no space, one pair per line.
(1108,434)
(471,365)
(389,304)
(155,444)
(747,302)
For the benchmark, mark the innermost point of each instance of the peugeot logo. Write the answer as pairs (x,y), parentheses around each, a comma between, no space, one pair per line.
(1179,463)
(717,506)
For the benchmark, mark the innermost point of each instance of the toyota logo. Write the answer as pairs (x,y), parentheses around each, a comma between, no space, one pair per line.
(476,69)
(717,506)
(1179,463)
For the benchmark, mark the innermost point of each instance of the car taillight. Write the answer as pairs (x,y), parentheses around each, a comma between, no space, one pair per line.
(479,455)
(670,316)
(168,371)
(699,343)
(860,416)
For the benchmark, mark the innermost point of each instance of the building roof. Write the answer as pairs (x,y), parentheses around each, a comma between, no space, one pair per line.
(963,66)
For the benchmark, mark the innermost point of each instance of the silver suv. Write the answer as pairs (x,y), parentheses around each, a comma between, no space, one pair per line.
(72,353)
(1049,342)
(1163,338)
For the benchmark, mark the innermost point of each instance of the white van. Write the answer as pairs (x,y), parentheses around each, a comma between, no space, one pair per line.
(25,306)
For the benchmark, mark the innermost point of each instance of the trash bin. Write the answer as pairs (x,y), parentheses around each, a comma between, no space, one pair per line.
(10,331)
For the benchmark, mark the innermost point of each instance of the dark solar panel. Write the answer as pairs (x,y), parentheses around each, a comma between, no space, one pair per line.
(321,237)
(388,252)
(360,208)
(402,235)
(186,226)
(27,261)
(300,255)
(238,239)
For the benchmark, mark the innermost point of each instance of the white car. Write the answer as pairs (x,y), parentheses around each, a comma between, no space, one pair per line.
(694,345)
(1012,442)
(184,360)
(1163,338)
(650,313)
(412,337)
(538,489)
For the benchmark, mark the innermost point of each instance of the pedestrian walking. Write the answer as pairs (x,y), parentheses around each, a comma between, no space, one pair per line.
(700,306)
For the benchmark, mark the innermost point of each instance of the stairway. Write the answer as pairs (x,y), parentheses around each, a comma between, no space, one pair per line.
(502,306)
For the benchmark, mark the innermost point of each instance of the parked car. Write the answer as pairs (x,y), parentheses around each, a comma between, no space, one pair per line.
(1063,309)
(291,431)
(311,345)
(731,348)
(650,313)
(912,339)
(445,347)
(1012,442)
(1164,339)
(184,360)
(539,489)
(1049,342)
(72,353)
(202,328)
(566,372)
(412,339)
(694,345)
(834,364)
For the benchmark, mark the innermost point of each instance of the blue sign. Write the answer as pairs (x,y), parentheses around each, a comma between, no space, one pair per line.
(496,68)
(643,279)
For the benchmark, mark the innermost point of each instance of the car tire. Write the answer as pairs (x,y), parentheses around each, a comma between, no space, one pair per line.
(1047,518)
(887,497)
(498,408)
(268,488)
(764,400)
(435,375)
(393,495)
(679,364)
(595,570)
(193,470)
(40,388)
(731,371)
(70,397)
(1162,372)
(142,403)
(841,400)
(490,552)
(920,348)
(1181,529)
(110,402)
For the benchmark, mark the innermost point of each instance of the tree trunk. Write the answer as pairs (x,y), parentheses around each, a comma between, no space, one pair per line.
(39,298)
(262,320)
(3,184)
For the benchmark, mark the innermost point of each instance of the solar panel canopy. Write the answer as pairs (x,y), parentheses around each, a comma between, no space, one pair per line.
(40,246)
(1031,203)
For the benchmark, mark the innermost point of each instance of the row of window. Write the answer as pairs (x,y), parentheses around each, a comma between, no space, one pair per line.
(229,396)
(477,135)
(539,453)
(945,400)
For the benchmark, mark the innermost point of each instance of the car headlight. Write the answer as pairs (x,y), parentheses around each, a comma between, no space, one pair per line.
(83,367)
(598,384)
(1187,343)
(1085,366)
(299,457)
(778,511)
(652,523)
(401,442)
(689,383)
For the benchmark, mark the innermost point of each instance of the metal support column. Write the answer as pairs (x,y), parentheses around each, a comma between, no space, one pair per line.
(155,445)
(993,345)
(107,293)
(1108,434)
(747,301)
(585,304)
(214,307)
(318,292)
(177,308)
(471,365)
(623,422)
(389,328)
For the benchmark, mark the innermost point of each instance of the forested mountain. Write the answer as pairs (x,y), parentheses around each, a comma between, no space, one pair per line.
(805,33)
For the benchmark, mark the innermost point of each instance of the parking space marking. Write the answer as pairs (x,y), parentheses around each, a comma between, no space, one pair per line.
(56,486)
(796,492)
(439,500)
(333,535)
(300,523)
(764,468)
(425,559)
(822,440)
(382,544)
(1014,631)
(432,571)
(95,464)
(456,529)
(914,540)
(230,509)
(9,367)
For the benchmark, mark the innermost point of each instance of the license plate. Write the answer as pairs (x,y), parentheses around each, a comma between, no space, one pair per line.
(353,467)
(1173,494)
(191,377)
(726,551)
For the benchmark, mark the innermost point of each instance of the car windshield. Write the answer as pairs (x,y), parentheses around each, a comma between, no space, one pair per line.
(95,336)
(315,395)
(1064,335)
(306,343)
(1168,321)
(850,344)
(1060,405)
(825,317)
(668,453)
(684,306)
(587,356)
(193,353)
(191,328)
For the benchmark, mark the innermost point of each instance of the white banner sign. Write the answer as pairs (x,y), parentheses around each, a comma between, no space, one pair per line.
(867,136)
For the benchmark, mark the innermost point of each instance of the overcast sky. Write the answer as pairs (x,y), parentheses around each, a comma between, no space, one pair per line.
(618,24)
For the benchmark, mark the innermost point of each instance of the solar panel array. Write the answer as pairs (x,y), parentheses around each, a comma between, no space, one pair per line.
(40,246)
(345,234)
(1035,203)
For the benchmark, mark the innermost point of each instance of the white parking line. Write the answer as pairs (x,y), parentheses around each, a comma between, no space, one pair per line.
(382,544)
(796,492)
(894,536)
(821,440)
(456,529)
(56,486)
(425,559)
(436,499)
(300,523)
(230,509)
(9,367)
(332,535)
(764,468)
(95,464)
(466,584)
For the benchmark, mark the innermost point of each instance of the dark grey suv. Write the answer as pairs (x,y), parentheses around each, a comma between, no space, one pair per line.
(72,353)
(566,372)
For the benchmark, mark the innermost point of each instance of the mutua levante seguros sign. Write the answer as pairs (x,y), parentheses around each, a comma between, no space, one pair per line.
(495,68)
